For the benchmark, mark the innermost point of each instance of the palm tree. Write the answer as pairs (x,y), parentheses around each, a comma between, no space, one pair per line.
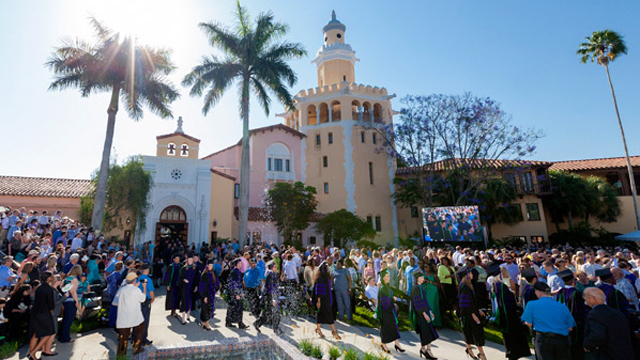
(604,47)
(255,59)
(134,73)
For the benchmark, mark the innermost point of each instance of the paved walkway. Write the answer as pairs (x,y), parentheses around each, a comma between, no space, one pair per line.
(167,331)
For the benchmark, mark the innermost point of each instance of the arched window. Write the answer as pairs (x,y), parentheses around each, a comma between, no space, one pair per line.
(312,115)
(173,213)
(279,159)
(324,113)
(336,111)
(171,149)
(377,113)
(184,150)
(355,110)
(366,111)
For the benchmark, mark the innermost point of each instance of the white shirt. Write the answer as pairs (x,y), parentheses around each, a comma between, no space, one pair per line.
(290,270)
(43,220)
(371,292)
(590,269)
(458,258)
(129,310)
(76,243)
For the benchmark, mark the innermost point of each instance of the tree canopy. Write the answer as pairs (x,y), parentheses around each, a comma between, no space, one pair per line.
(343,226)
(291,207)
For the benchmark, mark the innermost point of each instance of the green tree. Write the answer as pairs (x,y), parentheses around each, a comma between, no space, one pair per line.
(604,203)
(604,47)
(128,188)
(342,226)
(134,74)
(254,57)
(291,207)
(496,199)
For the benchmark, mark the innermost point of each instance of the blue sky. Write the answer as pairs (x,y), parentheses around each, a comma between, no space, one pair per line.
(521,54)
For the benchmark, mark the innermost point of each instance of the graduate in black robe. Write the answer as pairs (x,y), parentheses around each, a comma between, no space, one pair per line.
(189,281)
(172,282)
(270,302)
(469,315)
(387,315)
(207,288)
(572,298)
(507,313)
(422,316)
(323,299)
(235,294)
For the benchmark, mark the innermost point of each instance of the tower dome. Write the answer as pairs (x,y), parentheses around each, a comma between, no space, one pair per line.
(334,24)
(335,59)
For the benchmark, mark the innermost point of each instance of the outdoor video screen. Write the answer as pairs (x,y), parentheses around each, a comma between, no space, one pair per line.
(452,223)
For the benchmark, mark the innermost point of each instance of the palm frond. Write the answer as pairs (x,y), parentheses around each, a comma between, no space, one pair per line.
(261,94)
(244,25)
(222,38)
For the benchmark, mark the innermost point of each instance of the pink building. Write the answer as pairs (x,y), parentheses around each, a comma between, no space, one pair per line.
(275,157)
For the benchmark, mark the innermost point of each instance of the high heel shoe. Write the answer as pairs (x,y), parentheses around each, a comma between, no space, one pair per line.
(399,349)
(385,350)
(482,357)
(470,354)
(320,334)
(427,355)
(336,336)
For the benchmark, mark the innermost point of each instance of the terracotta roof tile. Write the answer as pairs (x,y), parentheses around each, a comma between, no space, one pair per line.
(449,164)
(595,164)
(44,187)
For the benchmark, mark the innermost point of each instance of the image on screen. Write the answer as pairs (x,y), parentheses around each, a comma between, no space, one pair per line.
(452,223)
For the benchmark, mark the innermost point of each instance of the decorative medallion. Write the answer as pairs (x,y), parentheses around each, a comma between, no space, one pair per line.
(176,174)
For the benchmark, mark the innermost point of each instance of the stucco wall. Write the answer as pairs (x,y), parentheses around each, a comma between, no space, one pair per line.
(69,206)
(222,206)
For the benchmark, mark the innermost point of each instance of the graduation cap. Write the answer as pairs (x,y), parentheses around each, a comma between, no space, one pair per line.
(528,273)
(189,255)
(493,269)
(540,286)
(566,275)
(270,265)
(418,273)
(462,272)
(603,274)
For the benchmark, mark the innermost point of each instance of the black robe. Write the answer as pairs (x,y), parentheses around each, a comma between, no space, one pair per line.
(270,297)
(419,307)
(234,288)
(188,289)
(207,288)
(473,332)
(514,332)
(572,298)
(387,316)
(172,280)
(322,291)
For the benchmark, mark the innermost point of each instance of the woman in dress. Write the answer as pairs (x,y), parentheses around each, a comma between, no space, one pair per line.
(208,287)
(41,325)
(324,301)
(431,284)
(508,317)
(469,315)
(58,298)
(447,276)
(71,304)
(422,316)
(386,314)
(172,282)
(189,281)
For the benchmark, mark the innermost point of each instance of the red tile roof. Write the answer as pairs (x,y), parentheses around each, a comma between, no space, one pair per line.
(260,214)
(177,133)
(450,164)
(44,187)
(595,164)
(262,130)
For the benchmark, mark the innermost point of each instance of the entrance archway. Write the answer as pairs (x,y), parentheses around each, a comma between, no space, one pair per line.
(172,225)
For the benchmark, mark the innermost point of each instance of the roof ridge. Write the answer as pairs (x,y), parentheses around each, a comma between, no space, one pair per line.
(592,159)
(42,178)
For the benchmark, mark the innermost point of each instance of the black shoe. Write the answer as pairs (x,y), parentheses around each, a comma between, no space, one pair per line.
(383,350)
(147,342)
(257,326)
(242,326)
(230,325)
(398,348)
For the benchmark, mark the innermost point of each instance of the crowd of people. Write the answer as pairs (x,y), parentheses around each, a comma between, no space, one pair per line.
(571,303)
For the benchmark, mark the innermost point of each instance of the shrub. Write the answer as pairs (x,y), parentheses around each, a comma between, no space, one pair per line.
(351,354)
(316,351)
(305,347)
(334,353)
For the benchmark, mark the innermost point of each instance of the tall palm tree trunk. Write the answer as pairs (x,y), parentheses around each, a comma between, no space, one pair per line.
(103,176)
(632,182)
(243,206)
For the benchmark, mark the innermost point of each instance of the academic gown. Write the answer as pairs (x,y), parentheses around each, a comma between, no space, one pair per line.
(234,287)
(322,290)
(572,298)
(508,321)
(420,307)
(387,316)
(270,293)
(187,289)
(207,288)
(473,333)
(172,280)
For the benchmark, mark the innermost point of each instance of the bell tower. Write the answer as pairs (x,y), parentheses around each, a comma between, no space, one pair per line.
(335,59)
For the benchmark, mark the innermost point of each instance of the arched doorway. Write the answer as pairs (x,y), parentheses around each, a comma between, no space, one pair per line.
(172,225)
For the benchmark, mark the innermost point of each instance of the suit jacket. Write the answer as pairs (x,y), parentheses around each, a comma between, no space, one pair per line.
(607,334)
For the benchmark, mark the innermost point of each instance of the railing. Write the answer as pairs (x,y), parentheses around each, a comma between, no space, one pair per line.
(280,175)
(534,188)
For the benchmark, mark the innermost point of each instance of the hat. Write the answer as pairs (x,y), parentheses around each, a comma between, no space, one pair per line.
(270,265)
(417,274)
(131,276)
(493,269)
(566,275)
(189,255)
(528,273)
(603,273)
(144,266)
(462,272)
(540,286)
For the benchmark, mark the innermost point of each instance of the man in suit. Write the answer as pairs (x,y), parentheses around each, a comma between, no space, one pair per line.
(606,332)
